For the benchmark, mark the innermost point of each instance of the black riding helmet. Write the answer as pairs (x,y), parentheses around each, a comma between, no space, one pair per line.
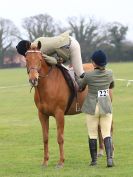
(23,46)
(99,58)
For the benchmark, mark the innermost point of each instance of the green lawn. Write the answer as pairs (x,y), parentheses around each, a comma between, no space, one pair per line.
(21,147)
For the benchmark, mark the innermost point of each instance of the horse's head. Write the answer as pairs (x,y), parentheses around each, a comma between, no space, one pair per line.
(33,62)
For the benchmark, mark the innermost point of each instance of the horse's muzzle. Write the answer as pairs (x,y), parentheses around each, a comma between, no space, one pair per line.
(33,77)
(33,82)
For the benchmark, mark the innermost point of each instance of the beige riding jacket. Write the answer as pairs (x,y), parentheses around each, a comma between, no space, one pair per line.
(58,44)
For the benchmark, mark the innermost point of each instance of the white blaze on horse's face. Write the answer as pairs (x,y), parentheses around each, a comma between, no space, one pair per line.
(33,62)
(33,77)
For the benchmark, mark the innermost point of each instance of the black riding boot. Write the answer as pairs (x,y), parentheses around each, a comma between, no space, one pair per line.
(109,151)
(93,151)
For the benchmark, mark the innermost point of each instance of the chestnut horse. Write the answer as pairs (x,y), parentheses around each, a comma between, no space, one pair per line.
(51,96)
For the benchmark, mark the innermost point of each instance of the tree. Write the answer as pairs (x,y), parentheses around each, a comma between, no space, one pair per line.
(88,33)
(38,26)
(8,35)
(116,36)
(117,33)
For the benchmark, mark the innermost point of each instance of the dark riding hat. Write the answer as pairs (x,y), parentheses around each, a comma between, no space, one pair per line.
(22,47)
(99,58)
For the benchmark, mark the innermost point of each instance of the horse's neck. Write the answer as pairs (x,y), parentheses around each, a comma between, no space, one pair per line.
(42,84)
(44,68)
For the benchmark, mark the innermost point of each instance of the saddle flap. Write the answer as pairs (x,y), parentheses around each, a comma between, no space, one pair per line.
(71,83)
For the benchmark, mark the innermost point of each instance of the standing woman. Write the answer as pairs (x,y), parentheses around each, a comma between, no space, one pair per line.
(97,105)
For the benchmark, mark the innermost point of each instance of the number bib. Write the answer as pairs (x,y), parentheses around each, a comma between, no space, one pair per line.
(103,93)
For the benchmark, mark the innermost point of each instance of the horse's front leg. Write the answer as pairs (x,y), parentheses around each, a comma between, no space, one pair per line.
(44,119)
(60,136)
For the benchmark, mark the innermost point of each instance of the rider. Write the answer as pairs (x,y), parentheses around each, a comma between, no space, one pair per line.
(97,105)
(58,49)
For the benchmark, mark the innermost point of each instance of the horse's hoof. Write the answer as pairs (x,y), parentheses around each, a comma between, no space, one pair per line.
(59,166)
(99,155)
(45,164)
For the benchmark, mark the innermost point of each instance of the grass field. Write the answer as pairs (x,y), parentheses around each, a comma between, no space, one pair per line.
(21,147)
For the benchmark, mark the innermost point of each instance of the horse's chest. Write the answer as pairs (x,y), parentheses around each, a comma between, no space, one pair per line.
(44,109)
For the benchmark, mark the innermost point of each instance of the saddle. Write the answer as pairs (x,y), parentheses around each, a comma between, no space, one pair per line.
(73,86)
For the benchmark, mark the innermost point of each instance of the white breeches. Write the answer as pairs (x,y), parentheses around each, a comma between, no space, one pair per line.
(104,121)
(75,57)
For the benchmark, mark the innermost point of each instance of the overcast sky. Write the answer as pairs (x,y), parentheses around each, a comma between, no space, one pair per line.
(102,10)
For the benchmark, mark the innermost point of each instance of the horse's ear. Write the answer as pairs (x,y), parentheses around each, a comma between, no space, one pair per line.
(39,45)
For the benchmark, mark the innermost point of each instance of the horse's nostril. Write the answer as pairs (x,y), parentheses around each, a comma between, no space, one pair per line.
(33,82)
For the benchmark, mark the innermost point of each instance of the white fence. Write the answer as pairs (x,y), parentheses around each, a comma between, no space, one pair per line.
(129,82)
(13,86)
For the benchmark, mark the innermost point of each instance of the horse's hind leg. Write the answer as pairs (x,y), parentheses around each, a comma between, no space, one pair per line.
(112,129)
(60,136)
(101,143)
(45,130)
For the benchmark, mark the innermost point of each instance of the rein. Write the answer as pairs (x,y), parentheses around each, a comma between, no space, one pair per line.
(43,76)
(47,74)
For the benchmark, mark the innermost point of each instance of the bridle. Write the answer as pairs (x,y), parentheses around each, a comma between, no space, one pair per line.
(34,68)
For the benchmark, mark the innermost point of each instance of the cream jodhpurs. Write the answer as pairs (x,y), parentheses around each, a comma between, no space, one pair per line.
(104,121)
(75,56)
